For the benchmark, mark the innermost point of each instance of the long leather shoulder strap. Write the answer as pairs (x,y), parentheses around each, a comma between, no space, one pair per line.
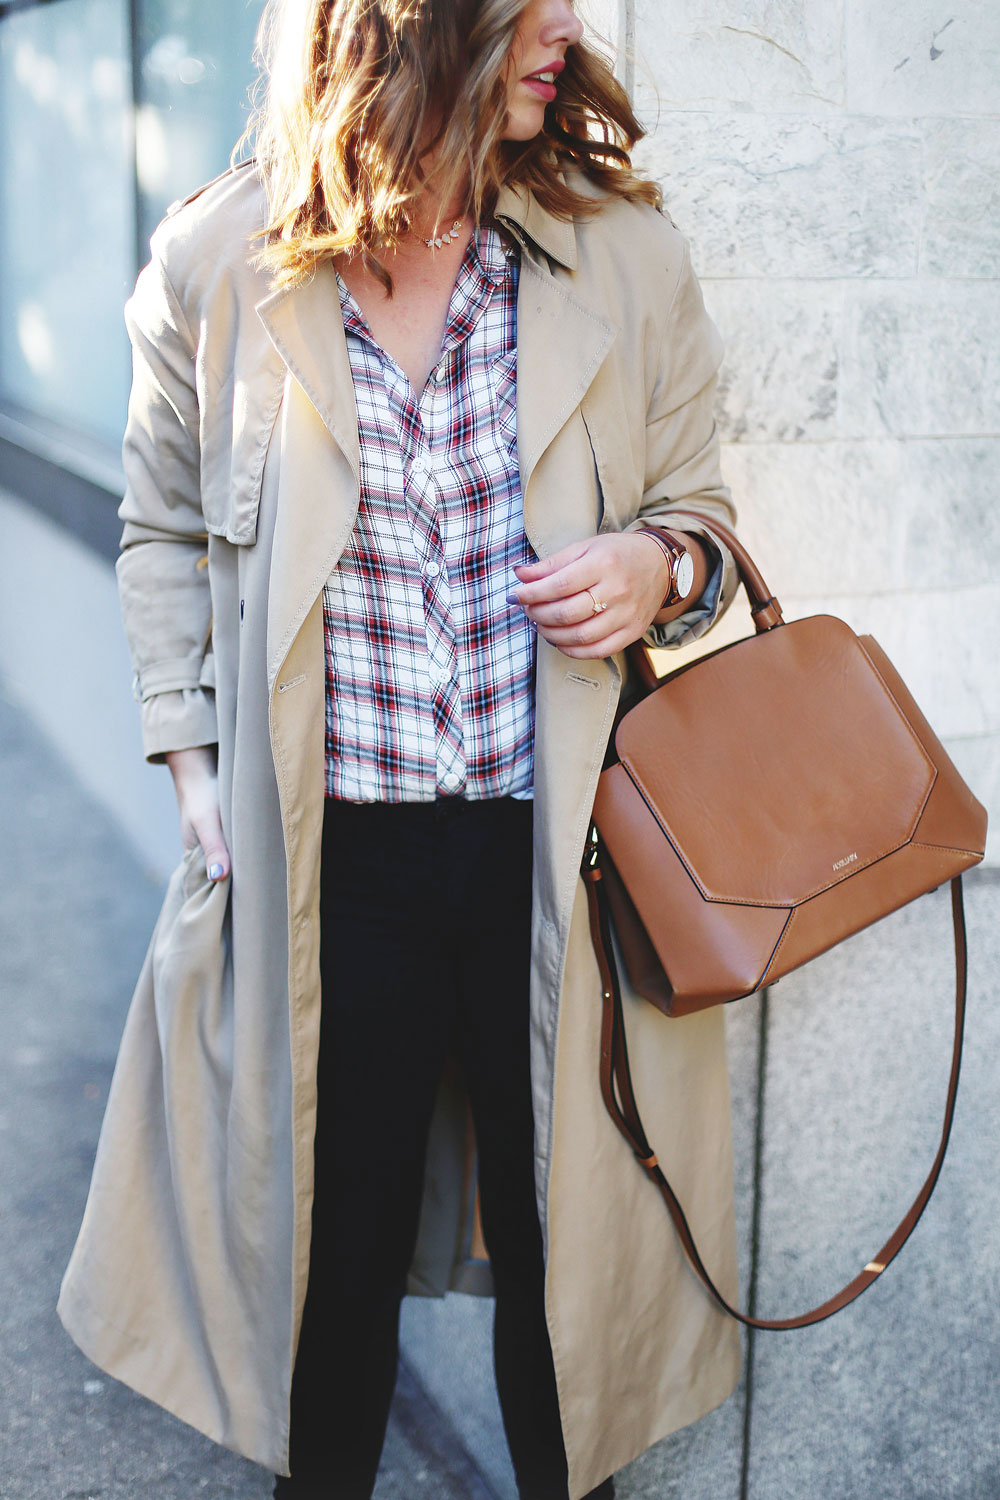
(624,1112)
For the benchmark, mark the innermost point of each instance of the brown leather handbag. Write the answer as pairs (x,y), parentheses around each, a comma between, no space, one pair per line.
(765,802)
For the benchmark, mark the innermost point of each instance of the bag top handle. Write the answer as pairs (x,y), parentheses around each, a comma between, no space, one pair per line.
(764,608)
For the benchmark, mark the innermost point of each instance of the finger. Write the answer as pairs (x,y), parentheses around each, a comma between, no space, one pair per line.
(586,636)
(592,651)
(565,613)
(618,624)
(551,564)
(213,846)
(579,576)
(582,619)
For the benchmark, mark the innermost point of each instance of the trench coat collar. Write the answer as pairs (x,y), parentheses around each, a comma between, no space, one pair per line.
(520,209)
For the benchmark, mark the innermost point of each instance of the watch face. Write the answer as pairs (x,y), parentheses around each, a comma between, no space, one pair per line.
(684,575)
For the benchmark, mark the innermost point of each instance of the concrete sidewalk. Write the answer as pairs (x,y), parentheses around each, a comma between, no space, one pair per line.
(896,1399)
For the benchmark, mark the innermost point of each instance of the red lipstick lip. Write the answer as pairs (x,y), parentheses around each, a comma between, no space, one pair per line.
(546,91)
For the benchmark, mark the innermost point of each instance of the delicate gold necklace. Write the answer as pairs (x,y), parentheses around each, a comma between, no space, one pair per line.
(443,239)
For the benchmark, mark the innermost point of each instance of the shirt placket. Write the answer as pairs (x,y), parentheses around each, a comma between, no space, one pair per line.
(425,432)
(420,429)
(437,419)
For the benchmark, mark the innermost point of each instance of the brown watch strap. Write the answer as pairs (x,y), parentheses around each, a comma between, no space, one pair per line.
(624,1111)
(673,552)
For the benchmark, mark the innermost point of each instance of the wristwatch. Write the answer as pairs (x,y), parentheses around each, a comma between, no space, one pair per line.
(680,562)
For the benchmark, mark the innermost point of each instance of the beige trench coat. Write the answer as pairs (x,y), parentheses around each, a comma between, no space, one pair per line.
(188,1277)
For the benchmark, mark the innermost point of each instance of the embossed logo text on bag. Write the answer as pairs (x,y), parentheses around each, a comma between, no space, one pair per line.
(850,860)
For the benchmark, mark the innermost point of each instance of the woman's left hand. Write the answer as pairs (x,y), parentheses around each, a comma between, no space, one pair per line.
(623,571)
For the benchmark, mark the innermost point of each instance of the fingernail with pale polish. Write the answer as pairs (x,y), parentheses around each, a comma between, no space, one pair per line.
(513,599)
(216,872)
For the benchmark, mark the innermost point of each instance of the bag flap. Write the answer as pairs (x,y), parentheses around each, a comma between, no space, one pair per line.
(778,766)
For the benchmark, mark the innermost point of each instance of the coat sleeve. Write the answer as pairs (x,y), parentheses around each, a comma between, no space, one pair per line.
(162,571)
(682,450)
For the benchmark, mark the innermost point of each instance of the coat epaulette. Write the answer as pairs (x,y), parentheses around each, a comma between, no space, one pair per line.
(180,203)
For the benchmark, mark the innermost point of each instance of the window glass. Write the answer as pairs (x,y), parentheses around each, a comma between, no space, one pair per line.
(194,74)
(67,236)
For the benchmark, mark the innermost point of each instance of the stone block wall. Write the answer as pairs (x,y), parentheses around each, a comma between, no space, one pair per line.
(836,167)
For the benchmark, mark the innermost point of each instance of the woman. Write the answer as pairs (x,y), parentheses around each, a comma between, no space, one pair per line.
(433,377)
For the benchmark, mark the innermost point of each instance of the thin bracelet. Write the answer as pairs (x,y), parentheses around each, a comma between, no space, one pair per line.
(667,549)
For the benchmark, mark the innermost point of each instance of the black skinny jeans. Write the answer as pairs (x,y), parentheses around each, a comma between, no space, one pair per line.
(425,912)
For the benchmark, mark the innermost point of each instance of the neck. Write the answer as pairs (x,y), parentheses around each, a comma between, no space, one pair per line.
(431,211)
(427,219)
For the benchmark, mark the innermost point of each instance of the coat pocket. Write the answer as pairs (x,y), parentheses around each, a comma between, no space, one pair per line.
(189,976)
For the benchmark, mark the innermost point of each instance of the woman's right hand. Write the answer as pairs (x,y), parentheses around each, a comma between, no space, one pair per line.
(196,783)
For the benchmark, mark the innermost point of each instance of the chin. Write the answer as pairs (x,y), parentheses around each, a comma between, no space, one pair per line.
(520,128)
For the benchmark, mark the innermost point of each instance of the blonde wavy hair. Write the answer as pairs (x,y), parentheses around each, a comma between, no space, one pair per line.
(354,92)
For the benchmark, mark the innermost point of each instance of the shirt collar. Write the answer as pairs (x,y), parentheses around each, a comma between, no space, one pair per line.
(490,256)
(353,319)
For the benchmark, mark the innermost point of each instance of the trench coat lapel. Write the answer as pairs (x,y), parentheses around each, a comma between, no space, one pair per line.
(319,479)
(560,345)
(305,325)
(561,341)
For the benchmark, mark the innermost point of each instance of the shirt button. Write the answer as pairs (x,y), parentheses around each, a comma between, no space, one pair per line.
(432,570)
(440,374)
(452,780)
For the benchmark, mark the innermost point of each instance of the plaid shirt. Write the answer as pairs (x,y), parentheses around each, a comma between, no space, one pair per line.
(430,672)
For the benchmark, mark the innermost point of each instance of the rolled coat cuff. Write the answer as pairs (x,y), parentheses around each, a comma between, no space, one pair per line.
(178,720)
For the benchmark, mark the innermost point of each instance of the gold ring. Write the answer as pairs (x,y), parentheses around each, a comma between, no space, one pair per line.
(599,607)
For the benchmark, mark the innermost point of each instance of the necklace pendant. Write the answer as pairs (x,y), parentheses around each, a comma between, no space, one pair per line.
(439,241)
